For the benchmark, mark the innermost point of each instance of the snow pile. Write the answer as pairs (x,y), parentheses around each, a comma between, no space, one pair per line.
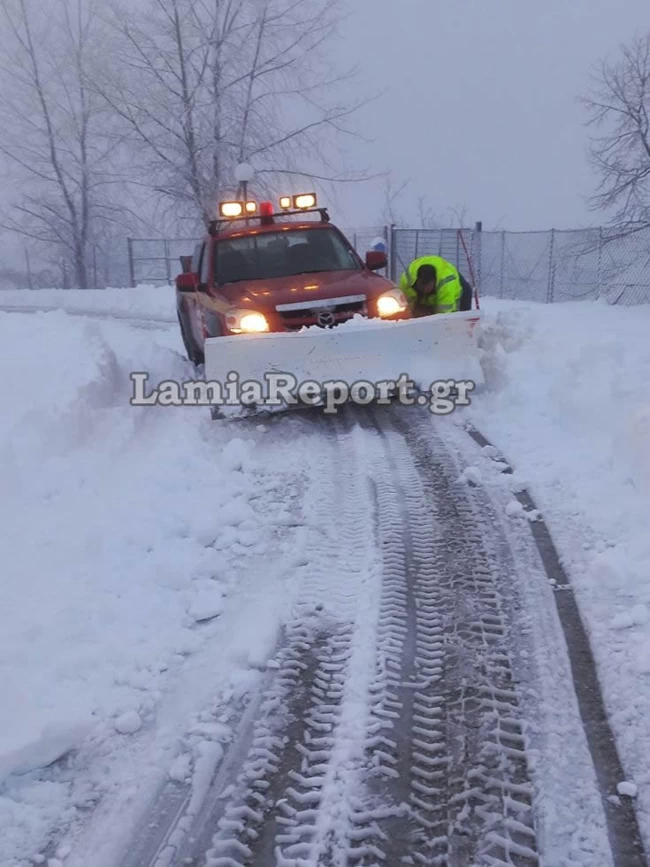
(125,533)
(571,372)
(156,303)
(568,402)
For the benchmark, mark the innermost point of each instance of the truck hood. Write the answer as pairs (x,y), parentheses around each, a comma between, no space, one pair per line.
(264,295)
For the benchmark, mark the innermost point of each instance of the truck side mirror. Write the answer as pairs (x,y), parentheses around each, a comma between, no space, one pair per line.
(376,260)
(188,282)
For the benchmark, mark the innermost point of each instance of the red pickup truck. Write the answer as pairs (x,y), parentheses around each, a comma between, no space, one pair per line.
(261,269)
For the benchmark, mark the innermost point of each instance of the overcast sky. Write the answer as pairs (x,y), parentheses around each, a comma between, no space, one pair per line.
(480,109)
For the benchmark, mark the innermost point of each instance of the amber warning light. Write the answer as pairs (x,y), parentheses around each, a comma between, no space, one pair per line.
(301,202)
(304,201)
(232,210)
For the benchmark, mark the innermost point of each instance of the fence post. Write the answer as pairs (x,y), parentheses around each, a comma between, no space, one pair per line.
(479,256)
(393,252)
(30,282)
(550,291)
(129,242)
(168,264)
(417,243)
(503,262)
(599,284)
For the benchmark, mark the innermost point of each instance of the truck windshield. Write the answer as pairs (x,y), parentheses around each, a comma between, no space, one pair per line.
(281,254)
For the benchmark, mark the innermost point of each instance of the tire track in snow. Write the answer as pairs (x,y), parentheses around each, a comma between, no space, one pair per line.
(288,804)
(622,824)
(455,744)
(393,731)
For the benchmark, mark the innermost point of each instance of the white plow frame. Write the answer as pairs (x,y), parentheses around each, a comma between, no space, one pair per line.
(427,350)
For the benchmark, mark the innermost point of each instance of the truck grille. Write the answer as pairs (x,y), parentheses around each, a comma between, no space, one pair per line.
(325,314)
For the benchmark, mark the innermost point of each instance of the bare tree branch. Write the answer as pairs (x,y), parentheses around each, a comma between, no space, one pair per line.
(618,109)
(53,128)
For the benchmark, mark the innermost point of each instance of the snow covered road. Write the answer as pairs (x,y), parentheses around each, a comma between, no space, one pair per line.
(418,706)
(338,616)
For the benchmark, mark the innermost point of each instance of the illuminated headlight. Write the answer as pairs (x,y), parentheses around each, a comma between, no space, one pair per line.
(391,303)
(246,322)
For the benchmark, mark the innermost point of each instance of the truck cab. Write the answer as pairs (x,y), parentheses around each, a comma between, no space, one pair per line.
(262,269)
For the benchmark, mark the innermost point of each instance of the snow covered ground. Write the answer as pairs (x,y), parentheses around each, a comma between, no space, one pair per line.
(148,302)
(134,545)
(148,553)
(569,405)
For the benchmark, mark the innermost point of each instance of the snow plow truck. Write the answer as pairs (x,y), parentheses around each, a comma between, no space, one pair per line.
(276,291)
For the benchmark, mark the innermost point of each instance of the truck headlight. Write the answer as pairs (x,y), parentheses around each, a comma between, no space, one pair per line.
(392,302)
(246,322)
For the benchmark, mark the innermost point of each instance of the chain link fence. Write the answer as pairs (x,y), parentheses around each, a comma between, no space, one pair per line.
(461,247)
(547,266)
(553,266)
(157,260)
(568,265)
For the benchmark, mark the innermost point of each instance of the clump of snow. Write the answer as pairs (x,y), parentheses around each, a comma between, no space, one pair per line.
(635,616)
(631,452)
(642,662)
(471,475)
(207,602)
(514,509)
(207,757)
(27,742)
(237,454)
(627,789)
(181,769)
(128,723)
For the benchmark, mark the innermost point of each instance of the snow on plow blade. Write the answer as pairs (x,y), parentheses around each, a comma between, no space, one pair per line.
(426,350)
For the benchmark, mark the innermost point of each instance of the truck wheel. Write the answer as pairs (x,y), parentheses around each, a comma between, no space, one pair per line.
(194,354)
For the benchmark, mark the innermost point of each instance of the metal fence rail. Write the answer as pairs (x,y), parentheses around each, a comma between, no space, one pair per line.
(157,260)
(459,246)
(540,266)
(547,266)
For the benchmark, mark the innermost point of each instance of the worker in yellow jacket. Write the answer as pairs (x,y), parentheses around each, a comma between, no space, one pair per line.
(433,285)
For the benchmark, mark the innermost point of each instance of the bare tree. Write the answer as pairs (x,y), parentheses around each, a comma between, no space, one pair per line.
(54,127)
(392,196)
(618,107)
(201,85)
(426,215)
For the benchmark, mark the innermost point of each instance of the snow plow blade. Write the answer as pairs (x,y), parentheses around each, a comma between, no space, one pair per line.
(425,350)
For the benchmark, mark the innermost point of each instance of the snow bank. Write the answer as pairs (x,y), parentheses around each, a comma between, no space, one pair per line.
(125,533)
(147,302)
(568,402)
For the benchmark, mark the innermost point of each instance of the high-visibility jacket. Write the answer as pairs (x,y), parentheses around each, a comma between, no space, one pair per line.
(447,294)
